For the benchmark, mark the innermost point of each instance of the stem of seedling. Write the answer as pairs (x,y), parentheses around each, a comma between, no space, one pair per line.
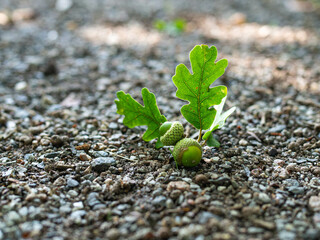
(200,133)
(204,143)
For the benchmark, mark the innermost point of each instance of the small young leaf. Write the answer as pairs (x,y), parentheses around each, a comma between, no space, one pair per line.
(138,115)
(212,142)
(195,87)
(220,119)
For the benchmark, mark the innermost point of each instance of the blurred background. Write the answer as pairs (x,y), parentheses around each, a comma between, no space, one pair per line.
(67,53)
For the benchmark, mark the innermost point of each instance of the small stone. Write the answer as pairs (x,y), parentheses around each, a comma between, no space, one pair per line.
(314,203)
(113,234)
(4,20)
(113,125)
(223,180)
(102,164)
(12,218)
(204,217)
(278,162)
(180,185)
(23,14)
(163,233)
(92,199)
(20,86)
(264,224)
(312,234)
(238,18)
(72,183)
(169,204)
(190,230)
(291,167)
(201,179)
(159,201)
(59,181)
(78,205)
(25,139)
(56,141)
(296,190)
(249,211)
(273,152)
(276,129)
(317,128)
(243,142)
(293,146)
(73,193)
(84,157)
(286,235)
(175,194)
(63,5)
(283,173)
(52,154)
(264,198)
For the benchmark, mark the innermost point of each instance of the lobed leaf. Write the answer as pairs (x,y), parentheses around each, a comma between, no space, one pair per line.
(195,87)
(138,115)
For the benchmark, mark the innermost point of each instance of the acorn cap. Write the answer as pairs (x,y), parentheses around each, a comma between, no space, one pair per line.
(187,152)
(171,133)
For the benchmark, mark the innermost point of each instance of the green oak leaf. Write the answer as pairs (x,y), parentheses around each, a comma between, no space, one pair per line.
(195,87)
(137,115)
(220,118)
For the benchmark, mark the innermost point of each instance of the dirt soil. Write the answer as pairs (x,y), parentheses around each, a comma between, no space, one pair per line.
(70,169)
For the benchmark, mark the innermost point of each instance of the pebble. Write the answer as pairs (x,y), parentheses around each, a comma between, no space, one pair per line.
(277,128)
(72,183)
(286,235)
(159,201)
(59,181)
(84,157)
(273,152)
(243,142)
(296,190)
(312,234)
(201,179)
(113,234)
(175,194)
(113,125)
(293,146)
(102,164)
(314,203)
(264,198)
(180,185)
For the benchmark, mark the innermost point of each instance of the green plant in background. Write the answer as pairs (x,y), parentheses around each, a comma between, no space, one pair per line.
(203,111)
(174,27)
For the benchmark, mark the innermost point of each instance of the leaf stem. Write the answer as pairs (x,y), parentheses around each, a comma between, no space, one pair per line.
(204,143)
(200,135)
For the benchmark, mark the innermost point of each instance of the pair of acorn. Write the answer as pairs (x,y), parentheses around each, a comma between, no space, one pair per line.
(187,151)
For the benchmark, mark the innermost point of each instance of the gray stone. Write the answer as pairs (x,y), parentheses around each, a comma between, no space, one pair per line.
(277,128)
(102,164)
(312,234)
(296,190)
(204,217)
(72,183)
(264,198)
(286,235)
(159,201)
(92,199)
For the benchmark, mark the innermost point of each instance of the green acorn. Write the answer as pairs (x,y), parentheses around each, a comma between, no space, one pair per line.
(171,133)
(187,152)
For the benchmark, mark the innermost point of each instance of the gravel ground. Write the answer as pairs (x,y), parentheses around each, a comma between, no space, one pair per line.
(69,168)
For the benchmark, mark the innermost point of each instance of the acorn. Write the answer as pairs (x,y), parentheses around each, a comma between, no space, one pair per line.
(171,133)
(187,152)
